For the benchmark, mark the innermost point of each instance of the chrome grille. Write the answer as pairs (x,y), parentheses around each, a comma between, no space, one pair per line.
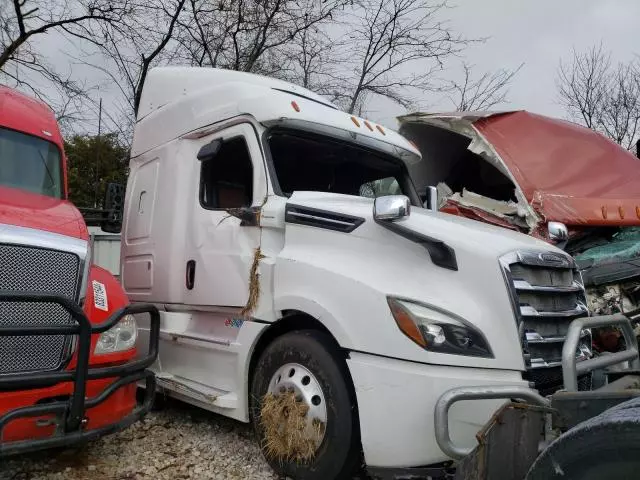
(30,269)
(548,295)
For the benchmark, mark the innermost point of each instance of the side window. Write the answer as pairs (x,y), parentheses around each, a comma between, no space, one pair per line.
(226,181)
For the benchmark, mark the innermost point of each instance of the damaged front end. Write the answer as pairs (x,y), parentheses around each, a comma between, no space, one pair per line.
(610,263)
(543,177)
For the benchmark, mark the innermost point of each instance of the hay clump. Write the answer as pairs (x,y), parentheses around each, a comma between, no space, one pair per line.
(254,285)
(287,433)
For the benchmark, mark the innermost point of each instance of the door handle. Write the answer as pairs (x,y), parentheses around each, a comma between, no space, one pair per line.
(190,274)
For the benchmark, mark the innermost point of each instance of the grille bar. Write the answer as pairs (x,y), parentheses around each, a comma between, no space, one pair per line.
(523,285)
(529,311)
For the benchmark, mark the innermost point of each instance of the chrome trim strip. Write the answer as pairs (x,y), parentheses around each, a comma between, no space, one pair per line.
(523,285)
(529,311)
(173,336)
(534,337)
(31,237)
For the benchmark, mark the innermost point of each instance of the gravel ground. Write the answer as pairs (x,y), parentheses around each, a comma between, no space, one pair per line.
(178,442)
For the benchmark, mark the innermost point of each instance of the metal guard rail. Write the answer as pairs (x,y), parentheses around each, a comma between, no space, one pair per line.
(570,373)
(571,369)
(72,411)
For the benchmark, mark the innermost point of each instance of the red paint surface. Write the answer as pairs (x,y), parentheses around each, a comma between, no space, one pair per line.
(26,209)
(28,115)
(118,406)
(566,171)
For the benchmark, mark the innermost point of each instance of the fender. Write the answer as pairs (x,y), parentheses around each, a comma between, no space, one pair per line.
(317,311)
(102,280)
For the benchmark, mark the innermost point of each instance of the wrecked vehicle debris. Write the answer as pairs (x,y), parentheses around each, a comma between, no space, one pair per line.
(542,176)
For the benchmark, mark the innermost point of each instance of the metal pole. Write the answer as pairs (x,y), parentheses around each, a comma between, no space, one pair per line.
(95,190)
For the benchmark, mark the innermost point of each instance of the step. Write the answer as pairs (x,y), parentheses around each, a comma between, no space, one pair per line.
(197,391)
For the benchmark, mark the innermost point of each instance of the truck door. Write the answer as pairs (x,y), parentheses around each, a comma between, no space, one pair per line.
(220,246)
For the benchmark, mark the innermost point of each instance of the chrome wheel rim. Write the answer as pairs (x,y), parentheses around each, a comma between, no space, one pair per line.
(299,380)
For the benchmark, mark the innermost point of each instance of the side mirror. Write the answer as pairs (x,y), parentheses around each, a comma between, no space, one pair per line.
(113,206)
(558,231)
(391,207)
(210,150)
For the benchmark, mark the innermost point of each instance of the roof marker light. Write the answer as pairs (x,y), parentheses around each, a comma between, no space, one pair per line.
(604,211)
(621,212)
(295,106)
(368,125)
(355,122)
(638,212)
(380,129)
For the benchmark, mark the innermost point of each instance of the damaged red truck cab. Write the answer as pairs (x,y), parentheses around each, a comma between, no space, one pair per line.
(550,178)
(68,362)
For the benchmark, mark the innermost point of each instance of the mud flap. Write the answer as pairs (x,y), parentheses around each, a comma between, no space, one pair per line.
(507,445)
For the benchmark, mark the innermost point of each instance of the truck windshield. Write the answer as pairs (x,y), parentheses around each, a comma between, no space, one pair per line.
(30,163)
(307,162)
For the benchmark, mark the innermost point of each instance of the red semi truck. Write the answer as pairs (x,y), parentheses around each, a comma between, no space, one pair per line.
(68,362)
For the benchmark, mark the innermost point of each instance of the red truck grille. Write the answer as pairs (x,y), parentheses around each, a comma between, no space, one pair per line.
(30,269)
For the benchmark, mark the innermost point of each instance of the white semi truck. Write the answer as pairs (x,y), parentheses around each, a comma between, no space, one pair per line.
(302,285)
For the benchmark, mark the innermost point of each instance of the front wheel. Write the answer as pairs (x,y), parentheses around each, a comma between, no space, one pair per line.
(303,410)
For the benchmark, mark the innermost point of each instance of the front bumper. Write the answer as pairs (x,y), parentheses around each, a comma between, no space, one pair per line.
(100,400)
(396,404)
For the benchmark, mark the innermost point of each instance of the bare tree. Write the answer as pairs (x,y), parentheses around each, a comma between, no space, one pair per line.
(129,49)
(602,96)
(24,22)
(394,47)
(620,116)
(247,35)
(483,92)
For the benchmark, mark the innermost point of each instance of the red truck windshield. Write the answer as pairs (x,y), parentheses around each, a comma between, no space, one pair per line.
(30,163)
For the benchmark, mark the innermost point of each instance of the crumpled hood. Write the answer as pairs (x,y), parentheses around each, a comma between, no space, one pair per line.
(39,212)
(569,173)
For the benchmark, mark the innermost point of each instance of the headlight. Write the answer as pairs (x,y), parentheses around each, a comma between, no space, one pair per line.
(438,331)
(122,336)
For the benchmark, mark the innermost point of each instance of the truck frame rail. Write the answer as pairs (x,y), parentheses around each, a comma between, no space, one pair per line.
(70,413)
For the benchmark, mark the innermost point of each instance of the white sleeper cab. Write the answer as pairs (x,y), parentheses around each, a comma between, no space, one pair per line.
(304,287)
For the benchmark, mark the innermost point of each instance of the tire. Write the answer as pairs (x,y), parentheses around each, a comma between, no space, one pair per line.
(337,456)
(604,447)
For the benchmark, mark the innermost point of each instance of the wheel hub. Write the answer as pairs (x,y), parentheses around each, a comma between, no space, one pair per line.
(293,378)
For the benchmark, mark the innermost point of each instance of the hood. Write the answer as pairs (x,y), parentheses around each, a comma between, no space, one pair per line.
(567,172)
(39,212)
(375,257)
(472,236)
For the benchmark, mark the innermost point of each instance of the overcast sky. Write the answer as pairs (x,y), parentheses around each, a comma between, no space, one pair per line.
(536,33)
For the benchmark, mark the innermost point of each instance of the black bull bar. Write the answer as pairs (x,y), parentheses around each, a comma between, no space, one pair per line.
(70,413)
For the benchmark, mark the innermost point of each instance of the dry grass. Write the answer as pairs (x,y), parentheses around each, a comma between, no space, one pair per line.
(254,285)
(287,434)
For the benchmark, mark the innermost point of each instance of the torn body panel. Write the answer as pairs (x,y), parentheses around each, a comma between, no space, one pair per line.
(557,170)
